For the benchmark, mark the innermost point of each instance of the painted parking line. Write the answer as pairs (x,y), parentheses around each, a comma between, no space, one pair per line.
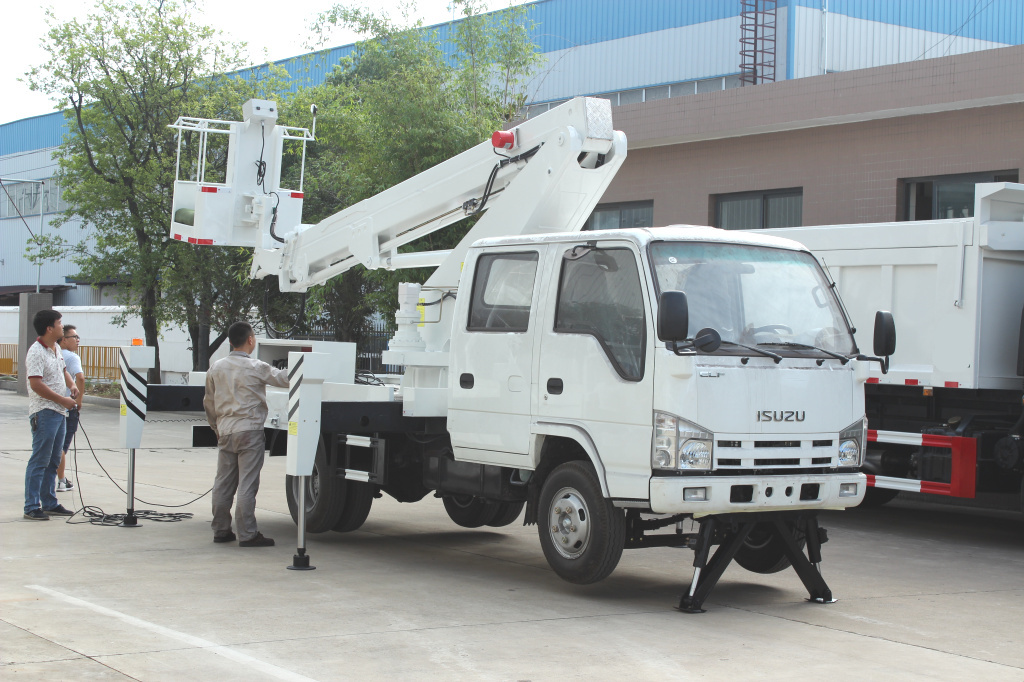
(198,642)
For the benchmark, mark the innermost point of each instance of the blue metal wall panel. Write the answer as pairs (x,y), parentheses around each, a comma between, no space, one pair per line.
(27,134)
(999,21)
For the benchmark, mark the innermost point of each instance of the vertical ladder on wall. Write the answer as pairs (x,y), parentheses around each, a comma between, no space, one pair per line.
(757,41)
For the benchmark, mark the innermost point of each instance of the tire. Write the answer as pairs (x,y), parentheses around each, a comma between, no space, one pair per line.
(582,533)
(762,552)
(507,513)
(468,511)
(325,495)
(876,497)
(358,500)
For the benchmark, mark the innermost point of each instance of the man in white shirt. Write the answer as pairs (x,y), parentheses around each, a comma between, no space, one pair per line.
(236,408)
(48,405)
(69,349)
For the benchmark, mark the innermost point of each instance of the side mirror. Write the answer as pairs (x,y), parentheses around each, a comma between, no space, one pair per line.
(673,316)
(885,334)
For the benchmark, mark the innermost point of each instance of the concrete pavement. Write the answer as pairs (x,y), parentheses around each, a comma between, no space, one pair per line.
(924,593)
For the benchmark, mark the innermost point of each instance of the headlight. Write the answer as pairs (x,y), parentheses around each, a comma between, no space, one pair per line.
(679,444)
(852,442)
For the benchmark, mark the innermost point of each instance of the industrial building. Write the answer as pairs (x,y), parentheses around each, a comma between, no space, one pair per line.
(739,113)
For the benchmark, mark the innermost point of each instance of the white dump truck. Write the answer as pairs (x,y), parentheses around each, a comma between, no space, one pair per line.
(948,418)
(612,383)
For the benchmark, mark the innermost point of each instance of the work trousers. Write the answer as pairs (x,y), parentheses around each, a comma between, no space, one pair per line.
(239,461)
(41,473)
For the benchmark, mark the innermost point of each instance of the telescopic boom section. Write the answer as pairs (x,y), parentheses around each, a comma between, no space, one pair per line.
(544,176)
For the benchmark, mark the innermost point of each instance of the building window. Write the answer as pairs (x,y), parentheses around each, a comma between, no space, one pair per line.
(946,196)
(23,198)
(614,216)
(759,210)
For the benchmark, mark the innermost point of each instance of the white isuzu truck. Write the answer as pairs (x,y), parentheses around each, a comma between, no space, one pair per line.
(611,383)
(948,417)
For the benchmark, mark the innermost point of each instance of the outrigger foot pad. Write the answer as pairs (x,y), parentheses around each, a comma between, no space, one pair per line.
(300,562)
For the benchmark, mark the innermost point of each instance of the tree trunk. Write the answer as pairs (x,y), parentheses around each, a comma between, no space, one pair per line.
(203,344)
(193,334)
(151,331)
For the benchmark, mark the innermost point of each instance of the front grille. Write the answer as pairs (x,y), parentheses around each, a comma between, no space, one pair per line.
(774,456)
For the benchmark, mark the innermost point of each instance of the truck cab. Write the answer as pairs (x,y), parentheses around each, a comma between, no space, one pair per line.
(558,340)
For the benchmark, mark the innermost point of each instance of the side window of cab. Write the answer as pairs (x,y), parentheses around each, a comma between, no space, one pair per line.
(599,294)
(502,292)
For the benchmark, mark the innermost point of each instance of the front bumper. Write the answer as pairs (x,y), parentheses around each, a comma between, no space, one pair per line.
(733,494)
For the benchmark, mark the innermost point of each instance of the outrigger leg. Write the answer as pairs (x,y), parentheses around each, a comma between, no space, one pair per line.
(807,567)
(730,532)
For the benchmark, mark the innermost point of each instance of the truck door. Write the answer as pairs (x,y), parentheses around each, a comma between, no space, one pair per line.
(596,361)
(492,358)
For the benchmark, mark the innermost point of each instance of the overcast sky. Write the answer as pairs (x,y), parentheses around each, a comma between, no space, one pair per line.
(260,23)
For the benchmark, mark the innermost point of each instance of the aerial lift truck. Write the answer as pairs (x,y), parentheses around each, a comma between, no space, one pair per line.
(602,385)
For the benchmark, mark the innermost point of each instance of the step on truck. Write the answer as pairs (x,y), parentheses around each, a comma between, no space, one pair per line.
(947,420)
(602,385)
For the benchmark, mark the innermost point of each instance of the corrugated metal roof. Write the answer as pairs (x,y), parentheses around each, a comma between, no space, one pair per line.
(28,134)
(561,25)
(1000,21)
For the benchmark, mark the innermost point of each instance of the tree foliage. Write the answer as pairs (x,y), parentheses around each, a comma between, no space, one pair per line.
(406,100)
(121,76)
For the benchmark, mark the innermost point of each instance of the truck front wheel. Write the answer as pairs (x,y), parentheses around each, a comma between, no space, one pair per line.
(582,533)
(325,495)
(762,551)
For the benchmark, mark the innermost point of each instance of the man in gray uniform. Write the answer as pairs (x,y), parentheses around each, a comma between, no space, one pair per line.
(236,408)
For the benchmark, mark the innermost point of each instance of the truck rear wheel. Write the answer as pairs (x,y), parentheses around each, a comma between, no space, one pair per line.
(469,511)
(325,495)
(762,552)
(358,500)
(506,514)
(582,533)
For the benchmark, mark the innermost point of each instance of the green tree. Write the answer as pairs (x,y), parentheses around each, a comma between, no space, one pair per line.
(394,109)
(120,76)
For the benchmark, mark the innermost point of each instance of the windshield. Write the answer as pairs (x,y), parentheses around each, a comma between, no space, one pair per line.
(754,295)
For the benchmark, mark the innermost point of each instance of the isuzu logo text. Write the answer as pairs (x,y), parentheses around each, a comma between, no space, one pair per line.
(781,416)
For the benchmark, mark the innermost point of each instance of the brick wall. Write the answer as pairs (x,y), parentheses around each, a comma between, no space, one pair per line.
(846,139)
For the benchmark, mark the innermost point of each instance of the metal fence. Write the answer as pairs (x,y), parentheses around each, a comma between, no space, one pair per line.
(98,362)
(9,359)
(373,340)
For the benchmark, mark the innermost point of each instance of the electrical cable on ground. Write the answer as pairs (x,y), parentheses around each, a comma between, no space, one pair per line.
(97,517)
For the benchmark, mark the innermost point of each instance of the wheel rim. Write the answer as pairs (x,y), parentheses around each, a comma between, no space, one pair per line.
(569,523)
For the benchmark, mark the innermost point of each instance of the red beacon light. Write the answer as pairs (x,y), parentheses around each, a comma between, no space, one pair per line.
(503,139)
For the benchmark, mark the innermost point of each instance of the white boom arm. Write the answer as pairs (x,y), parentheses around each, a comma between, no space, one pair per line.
(549,180)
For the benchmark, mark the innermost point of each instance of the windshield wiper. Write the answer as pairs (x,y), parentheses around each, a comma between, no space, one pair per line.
(842,358)
(767,353)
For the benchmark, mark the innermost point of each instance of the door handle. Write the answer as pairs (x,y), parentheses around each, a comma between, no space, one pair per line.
(466,381)
(555,386)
